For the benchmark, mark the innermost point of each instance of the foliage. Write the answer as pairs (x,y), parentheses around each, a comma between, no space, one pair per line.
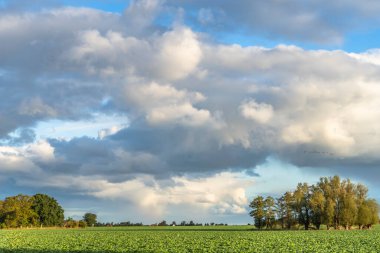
(90,219)
(49,211)
(258,212)
(30,211)
(332,202)
(16,211)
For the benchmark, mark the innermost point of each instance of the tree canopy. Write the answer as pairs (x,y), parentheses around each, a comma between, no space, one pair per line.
(333,202)
(90,219)
(25,211)
(50,213)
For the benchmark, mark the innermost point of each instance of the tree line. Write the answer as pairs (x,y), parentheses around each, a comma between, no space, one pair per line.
(332,202)
(23,211)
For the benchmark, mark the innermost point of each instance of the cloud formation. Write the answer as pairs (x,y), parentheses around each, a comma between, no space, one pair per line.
(312,21)
(201,115)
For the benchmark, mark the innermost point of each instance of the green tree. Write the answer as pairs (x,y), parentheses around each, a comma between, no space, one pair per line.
(374,208)
(289,207)
(302,197)
(258,212)
(90,219)
(348,205)
(328,213)
(16,212)
(269,209)
(361,193)
(317,204)
(281,211)
(332,201)
(336,198)
(364,215)
(50,213)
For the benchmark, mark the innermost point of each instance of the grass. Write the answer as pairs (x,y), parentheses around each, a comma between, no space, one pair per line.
(186,239)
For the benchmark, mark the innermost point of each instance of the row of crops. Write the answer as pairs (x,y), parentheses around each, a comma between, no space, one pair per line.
(231,239)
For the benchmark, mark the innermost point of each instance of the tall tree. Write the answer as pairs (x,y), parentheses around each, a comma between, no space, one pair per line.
(269,209)
(258,212)
(317,204)
(90,219)
(302,204)
(336,199)
(348,204)
(281,211)
(289,207)
(49,211)
(328,213)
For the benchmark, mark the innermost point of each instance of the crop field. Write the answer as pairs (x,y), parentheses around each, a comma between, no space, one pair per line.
(186,239)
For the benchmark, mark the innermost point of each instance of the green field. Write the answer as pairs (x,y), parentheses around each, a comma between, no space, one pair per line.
(186,239)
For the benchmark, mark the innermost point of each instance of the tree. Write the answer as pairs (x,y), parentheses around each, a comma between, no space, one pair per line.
(348,204)
(49,211)
(258,212)
(336,198)
(16,212)
(269,209)
(374,210)
(328,213)
(289,206)
(317,203)
(162,223)
(302,204)
(90,219)
(364,215)
(281,211)
(332,201)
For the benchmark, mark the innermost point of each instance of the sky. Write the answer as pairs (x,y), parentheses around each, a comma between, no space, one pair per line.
(150,110)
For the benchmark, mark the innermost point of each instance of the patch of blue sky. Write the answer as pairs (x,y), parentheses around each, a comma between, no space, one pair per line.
(116,6)
(361,41)
(60,129)
(276,177)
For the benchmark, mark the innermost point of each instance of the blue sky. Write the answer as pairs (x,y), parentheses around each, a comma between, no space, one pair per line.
(117,6)
(187,108)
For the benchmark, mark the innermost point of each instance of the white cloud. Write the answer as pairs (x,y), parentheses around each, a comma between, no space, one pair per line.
(164,104)
(178,54)
(171,56)
(41,150)
(371,56)
(260,112)
(13,160)
(109,131)
(224,193)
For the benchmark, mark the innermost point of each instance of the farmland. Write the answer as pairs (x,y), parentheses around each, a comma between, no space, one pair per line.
(187,239)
